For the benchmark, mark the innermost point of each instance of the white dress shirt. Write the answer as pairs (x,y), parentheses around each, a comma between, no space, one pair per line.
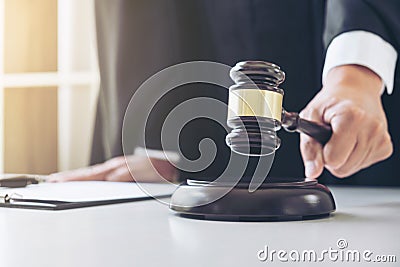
(366,49)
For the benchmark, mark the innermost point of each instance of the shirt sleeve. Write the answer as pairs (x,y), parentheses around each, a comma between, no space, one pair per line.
(366,49)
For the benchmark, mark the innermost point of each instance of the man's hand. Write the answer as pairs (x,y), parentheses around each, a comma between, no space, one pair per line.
(350,102)
(143,169)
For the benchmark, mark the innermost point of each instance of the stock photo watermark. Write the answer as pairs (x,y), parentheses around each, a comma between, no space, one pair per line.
(340,253)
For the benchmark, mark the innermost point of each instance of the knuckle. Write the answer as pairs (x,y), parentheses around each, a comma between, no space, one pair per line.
(390,149)
(384,144)
(336,172)
(387,146)
(377,128)
(331,158)
(309,112)
(387,140)
(341,173)
(355,114)
(334,100)
(313,112)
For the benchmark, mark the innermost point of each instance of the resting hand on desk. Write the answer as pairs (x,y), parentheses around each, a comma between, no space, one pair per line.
(116,169)
(350,102)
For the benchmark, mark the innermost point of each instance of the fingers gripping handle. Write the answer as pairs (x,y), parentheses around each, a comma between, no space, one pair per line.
(292,122)
(320,132)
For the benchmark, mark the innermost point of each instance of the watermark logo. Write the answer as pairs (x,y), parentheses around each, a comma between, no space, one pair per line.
(340,253)
(342,243)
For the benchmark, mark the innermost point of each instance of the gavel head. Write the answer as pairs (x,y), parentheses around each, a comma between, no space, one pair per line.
(255,108)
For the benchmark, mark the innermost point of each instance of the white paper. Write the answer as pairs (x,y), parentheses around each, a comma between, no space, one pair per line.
(89,191)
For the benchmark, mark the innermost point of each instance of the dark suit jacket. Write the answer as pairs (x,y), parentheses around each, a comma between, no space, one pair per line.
(139,38)
(383,19)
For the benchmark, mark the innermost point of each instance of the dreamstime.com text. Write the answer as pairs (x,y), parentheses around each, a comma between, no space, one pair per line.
(341,253)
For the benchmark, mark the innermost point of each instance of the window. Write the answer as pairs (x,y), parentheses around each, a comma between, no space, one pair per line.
(48,84)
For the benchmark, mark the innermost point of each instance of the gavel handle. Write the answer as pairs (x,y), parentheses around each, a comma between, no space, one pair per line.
(291,121)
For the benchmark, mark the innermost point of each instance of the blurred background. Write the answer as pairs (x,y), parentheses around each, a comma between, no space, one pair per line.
(48,84)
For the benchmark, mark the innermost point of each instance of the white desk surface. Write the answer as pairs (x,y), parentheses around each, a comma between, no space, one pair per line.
(148,234)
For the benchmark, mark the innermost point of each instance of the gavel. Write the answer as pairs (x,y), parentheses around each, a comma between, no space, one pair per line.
(256,113)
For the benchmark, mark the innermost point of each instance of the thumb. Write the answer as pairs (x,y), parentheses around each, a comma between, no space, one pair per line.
(311,152)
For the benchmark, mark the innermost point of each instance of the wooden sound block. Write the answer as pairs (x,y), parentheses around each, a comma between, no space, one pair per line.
(278,199)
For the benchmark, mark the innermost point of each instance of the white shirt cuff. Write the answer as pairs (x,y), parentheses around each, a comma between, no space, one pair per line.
(366,49)
(170,156)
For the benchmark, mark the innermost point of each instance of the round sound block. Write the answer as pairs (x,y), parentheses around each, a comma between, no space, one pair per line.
(277,199)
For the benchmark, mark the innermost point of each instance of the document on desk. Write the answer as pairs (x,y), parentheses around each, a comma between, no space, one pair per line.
(58,196)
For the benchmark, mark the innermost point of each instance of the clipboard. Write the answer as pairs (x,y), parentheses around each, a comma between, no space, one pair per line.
(39,204)
(74,195)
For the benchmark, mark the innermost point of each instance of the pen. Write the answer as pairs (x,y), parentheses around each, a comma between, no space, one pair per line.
(21,181)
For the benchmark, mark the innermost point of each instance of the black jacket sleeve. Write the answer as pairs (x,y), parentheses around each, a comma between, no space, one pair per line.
(381,17)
